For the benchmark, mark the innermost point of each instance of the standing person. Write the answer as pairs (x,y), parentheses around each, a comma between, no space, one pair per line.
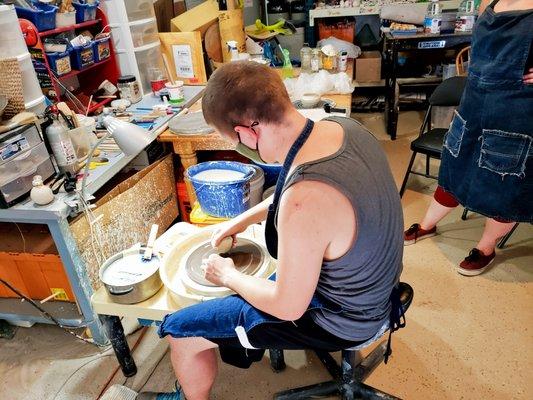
(334,225)
(487,160)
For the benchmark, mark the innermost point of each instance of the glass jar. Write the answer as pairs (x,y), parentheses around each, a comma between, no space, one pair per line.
(305,58)
(315,60)
(129,88)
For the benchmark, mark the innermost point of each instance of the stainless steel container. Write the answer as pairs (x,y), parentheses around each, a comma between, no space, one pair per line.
(129,279)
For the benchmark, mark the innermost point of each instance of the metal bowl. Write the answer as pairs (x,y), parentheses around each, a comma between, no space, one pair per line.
(128,279)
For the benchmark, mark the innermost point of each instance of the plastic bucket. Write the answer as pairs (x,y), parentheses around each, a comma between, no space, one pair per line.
(256,186)
(222,198)
(271,171)
(269,192)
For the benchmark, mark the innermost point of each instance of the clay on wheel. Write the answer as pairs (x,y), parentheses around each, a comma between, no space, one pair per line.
(225,245)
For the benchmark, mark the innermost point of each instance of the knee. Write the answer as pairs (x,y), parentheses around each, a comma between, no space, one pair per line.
(189,344)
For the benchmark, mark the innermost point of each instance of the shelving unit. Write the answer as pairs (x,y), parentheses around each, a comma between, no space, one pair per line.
(84,81)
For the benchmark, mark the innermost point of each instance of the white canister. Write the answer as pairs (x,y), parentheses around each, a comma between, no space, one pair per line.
(175,92)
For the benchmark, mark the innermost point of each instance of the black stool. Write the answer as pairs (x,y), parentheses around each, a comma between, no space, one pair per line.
(349,376)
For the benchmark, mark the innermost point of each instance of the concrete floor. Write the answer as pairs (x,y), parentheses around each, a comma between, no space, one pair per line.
(466,338)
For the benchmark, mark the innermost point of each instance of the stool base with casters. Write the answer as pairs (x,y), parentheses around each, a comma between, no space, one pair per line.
(349,376)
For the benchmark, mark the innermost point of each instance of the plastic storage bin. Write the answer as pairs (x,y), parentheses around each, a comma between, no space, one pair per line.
(44,18)
(139,9)
(59,62)
(101,49)
(17,141)
(85,12)
(144,32)
(16,175)
(82,56)
(12,43)
(65,19)
(30,88)
(147,57)
(199,218)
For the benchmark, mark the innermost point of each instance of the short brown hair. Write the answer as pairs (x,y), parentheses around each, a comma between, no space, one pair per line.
(244,91)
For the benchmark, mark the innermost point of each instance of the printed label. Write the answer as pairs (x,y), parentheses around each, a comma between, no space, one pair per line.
(64,152)
(60,294)
(10,149)
(465,23)
(183,60)
(63,66)
(432,25)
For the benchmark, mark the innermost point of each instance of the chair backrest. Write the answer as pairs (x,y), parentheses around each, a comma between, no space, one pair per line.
(462,60)
(449,92)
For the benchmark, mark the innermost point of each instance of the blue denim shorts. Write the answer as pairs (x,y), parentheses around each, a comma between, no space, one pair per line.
(243,332)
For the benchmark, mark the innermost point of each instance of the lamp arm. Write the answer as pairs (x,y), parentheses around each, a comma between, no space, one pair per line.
(88,163)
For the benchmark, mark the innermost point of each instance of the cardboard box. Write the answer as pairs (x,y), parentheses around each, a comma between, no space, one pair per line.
(198,18)
(368,67)
(127,214)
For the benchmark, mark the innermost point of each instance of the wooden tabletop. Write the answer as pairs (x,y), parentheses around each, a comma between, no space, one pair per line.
(213,141)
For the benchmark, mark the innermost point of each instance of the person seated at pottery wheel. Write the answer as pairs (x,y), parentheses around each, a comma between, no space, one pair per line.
(334,225)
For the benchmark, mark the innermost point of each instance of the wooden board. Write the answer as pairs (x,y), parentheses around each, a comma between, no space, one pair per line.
(193,41)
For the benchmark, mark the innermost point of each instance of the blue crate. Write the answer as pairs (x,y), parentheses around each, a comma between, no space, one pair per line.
(59,62)
(44,18)
(85,12)
(82,56)
(101,49)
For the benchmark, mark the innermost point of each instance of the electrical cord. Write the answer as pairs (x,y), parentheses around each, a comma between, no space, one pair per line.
(47,315)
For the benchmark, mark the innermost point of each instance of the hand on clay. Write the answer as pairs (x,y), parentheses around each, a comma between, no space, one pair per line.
(528,77)
(226,229)
(218,270)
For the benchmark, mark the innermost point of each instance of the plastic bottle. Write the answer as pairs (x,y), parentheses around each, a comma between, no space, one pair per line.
(466,16)
(433,18)
(62,147)
(286,70)
(305,58)
(315,60)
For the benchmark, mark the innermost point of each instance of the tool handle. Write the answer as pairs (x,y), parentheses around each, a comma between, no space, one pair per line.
(151,240)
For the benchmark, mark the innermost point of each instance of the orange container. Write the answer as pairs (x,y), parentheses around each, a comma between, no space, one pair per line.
(35,275)
(184,202)
(340,30)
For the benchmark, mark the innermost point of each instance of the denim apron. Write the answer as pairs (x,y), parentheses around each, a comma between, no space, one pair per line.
(487,161)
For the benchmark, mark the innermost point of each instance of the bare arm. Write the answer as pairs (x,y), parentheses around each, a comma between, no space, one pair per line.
(483,5)
(304,234)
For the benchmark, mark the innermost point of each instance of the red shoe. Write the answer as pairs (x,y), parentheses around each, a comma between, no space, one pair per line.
(416,233)
(475,263)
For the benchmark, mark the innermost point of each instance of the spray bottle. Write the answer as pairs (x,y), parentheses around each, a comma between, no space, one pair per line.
(59,139)
(233,51)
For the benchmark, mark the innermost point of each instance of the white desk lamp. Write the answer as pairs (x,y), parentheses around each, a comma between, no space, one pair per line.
(130,138)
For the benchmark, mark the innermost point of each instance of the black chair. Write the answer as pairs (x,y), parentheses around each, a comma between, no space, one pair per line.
(349,376)
(430,142)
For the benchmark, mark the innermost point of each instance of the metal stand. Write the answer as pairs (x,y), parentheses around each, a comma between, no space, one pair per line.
(115,332)
(347,378)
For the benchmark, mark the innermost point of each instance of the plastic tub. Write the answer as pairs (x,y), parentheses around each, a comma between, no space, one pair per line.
(30,87)
(139,9)
(12,43)
(199,218)
(256,186)
(101,49)
(144,32)
(220,197)
(65,19)
(82,56)
(85,12)
(59,62)
(147,57)
(271,173)
(37,106)
(44,18)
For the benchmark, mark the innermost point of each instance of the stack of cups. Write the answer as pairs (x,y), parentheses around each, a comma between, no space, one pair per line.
(13,45)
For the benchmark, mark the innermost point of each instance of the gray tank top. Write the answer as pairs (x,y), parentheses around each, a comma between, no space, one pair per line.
(361,281)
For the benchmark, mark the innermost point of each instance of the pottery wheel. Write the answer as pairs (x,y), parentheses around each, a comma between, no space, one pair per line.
(247,257)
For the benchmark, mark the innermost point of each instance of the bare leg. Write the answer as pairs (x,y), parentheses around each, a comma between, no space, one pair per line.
(195,364)
(493,231)
(434,214)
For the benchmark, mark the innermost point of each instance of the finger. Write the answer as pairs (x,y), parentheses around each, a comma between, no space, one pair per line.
(528,81)
(528,76)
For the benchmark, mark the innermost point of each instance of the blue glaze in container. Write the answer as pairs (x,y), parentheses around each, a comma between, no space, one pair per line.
(271,173)
(225,199)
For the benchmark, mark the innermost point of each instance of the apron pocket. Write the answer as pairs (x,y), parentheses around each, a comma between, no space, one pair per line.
(504,153)
(454,136)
